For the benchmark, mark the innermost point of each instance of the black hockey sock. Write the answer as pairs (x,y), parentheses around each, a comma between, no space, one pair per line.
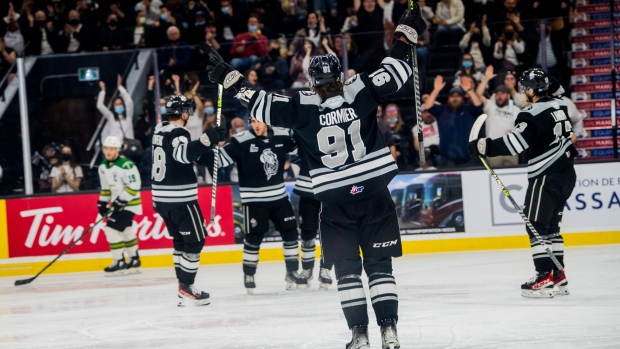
(176,258)
(542,261)
(383,296)
(353,300)
(251,245)
(308,253)
(188,268)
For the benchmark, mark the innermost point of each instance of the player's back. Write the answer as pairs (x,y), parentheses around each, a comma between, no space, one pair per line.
(174,181)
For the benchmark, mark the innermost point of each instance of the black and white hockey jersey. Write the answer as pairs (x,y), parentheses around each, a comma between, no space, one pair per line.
(543,129)
(348,157)
(260,163)
(174,179)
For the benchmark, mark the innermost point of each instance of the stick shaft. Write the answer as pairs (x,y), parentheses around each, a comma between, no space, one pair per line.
(220,92)
(416,88)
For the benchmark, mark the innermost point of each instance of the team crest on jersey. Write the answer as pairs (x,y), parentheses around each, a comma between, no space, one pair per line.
(356,190)
(520,127)
(253,223)
(270,163)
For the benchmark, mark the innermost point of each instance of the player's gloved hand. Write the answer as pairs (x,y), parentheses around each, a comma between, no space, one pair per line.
(102,206)
(213,136)
(118,205)
(410,25)
(220,72)
(479,146)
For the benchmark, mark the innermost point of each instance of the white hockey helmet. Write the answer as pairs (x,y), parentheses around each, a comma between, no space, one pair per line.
(113,141)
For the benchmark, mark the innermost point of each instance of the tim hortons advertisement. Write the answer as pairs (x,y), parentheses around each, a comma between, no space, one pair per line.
(46,225)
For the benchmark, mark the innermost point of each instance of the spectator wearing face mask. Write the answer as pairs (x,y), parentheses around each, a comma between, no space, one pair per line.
(76,36)
(175,55)
(272,69)
(507,48)
(467,69)
(112,37)
(402,137)
(120,118)
(236,126)
(248,47)
(150,8)
(66,175)
(41,34)
(313,31)
(138,34)
(477,42)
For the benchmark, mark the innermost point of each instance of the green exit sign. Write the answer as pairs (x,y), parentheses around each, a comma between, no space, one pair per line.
(88,74)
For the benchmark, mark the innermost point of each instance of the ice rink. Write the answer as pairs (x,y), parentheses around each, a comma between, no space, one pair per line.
(450,300)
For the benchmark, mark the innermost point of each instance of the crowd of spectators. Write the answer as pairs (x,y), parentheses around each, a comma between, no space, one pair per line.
(272,42)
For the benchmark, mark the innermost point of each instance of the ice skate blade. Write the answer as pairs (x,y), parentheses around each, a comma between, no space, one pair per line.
(561,291)
(303,286)
(249,291)
(115,273)
(291,286)
(324,286)
(542,293)
(188,302)
(134,271)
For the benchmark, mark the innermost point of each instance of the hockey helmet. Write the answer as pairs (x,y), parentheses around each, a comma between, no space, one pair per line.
(555,88)
(536,79)
(113,141)
(324,69)
(176,105)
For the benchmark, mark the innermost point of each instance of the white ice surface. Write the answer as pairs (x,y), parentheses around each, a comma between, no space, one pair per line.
(450,300)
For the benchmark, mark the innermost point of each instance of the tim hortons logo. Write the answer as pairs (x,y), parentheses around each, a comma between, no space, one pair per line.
(44,232)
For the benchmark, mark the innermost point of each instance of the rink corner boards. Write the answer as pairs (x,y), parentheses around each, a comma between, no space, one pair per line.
(89,262)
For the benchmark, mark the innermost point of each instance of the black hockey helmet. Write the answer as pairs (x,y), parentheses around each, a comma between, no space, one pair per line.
(536,79)
(176,105)
(324,69)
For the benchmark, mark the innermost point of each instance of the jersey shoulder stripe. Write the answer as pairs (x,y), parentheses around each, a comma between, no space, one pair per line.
(244,136)
(280,131)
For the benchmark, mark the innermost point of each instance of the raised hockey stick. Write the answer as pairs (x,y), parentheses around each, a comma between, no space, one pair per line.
(416,90)
(473,135)
(220,92)
(27,281)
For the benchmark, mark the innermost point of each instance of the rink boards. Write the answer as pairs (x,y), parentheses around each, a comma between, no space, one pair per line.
(460,211)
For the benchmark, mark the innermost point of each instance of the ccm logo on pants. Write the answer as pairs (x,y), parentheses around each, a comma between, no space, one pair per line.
(384,244)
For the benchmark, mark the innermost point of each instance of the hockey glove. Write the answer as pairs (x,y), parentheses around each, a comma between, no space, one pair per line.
(410,25)
(213,136)
(220,72)
(118,205)
(481,146)
(102,206)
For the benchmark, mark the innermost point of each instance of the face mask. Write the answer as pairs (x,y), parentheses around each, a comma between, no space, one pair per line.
(162,110)
(353,24)
(239,130)
(119,109)
(13,27)
(113,23)
(252,28)
(209,110)
(509,35)
(476,37)
(197,24)
(393,120)
(164,16)
(74,22)
(225,10)
(274,52)
(65,157)
(467,64)
(141,20)
(42,23)
(312,26)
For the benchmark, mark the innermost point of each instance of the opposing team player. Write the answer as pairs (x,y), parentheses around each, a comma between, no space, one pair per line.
(260,154)
(350,168)
(309,209)
(543,131)
(175,192)
(120,185)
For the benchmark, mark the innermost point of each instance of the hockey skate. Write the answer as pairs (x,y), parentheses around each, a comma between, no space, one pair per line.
(304,279)
(539,286)
(325,279)
(560,284)
(389,336)
(192,295)
(359,339)
(117,268)
(250,285)
(292,279)
(133,267)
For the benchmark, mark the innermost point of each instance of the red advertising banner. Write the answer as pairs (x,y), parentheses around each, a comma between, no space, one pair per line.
(594,87)
(596,24)
(594,54)
(594,70)
(591,143)
(40,226)
(596,123)
(595,38)
(588,105)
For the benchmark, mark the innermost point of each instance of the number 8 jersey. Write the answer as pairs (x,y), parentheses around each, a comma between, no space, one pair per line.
(348,157)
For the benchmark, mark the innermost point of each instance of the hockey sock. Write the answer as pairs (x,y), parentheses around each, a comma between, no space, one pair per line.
(542,261)
(291,249)
(176,258)
(383,296)
(308,253)
(116,242)
(557,244)
(353,300)
(130,241)
(188,267)
(251,245)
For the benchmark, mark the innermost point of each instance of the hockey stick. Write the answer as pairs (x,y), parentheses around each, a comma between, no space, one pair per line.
(416,88)
(27,281)
(220,92)
(473,135)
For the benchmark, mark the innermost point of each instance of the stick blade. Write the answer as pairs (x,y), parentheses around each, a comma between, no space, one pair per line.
(475,129)
(23,282)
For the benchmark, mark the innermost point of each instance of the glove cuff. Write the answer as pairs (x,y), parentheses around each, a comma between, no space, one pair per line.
(231,79)
(204,139)
(408,32)
(484,146)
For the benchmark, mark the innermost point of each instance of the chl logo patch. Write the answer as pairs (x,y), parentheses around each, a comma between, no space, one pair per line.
(356,190)
(520,127)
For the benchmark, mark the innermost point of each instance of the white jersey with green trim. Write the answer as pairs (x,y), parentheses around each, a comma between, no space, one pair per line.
(120,178)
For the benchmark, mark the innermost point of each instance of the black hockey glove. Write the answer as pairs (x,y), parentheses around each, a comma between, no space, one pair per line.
(118,205)
(213,136)
(410,25)
(102,206)
(220,72)
(481,146)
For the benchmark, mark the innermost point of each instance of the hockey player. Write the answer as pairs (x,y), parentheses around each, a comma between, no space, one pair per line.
(120,184)
(260,154)
(175,192)
(350,168)
(309,209)
(542,130)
